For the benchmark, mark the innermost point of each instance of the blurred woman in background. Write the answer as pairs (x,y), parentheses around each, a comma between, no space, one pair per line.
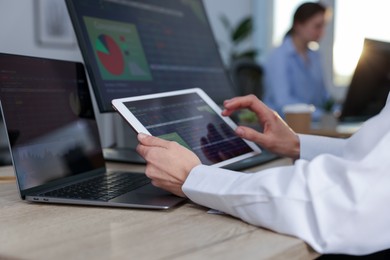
(293,71)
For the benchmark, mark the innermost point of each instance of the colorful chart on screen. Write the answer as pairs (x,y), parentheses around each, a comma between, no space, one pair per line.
(110,54)
(118,50)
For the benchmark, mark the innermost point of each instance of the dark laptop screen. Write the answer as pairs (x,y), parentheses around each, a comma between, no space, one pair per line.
(370,84)
(49,118)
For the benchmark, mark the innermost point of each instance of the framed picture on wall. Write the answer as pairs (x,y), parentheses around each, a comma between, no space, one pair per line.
(53,27)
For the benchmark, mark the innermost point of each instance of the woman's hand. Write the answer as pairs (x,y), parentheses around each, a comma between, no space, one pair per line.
(276,137)
(168,163)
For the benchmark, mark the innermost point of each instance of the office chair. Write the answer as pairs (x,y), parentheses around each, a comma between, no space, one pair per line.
(247,77)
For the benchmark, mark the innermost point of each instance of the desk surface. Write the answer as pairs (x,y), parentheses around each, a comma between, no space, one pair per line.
(42,231)
(333,128)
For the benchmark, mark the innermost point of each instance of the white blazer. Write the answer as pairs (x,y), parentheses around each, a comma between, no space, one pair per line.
(336,197)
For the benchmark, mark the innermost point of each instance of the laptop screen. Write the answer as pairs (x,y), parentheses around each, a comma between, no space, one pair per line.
(370,84)
(49,118)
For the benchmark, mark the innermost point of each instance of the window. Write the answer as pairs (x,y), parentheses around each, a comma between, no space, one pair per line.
(355,20)
(283,16)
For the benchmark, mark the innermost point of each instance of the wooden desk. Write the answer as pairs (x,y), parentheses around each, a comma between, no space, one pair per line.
(42,231)
(340,130)
(329,133)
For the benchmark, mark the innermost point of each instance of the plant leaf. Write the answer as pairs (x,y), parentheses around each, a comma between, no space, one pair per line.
(243,30)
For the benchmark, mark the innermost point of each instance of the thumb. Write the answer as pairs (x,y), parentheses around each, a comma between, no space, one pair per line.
(149,140)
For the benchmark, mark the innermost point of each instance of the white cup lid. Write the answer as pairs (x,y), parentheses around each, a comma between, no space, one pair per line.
(298,108)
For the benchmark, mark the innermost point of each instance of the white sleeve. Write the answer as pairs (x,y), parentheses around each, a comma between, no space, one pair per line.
(312,145)
(334,204)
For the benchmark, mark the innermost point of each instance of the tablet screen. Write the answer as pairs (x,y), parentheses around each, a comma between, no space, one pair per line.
(189,120)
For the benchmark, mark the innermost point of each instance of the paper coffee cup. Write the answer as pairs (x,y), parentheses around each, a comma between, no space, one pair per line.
(298,117)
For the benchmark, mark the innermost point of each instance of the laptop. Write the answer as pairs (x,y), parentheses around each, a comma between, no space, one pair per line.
(54,140)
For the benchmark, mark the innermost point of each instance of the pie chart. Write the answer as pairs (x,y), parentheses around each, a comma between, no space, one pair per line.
(110,54)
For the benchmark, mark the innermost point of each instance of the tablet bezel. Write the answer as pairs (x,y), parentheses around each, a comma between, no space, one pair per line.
(121,108)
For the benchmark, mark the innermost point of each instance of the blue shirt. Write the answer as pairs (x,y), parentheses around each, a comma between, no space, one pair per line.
(288,79)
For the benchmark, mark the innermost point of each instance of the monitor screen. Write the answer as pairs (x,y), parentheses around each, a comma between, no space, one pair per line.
(370,84)
(136,47)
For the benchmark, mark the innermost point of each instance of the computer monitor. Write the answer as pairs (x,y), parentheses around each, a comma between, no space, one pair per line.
(370,84)
(135,47)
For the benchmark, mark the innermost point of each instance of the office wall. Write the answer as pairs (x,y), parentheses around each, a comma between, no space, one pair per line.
(235,11)
(18,32)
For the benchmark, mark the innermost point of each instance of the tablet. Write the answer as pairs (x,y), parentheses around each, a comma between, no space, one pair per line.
(191,118)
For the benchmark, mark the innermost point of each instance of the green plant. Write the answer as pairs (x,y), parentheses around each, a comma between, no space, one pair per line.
(237,34)
(328,106)
(247,116)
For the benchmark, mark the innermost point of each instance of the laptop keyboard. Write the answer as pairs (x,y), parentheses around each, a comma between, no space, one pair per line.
(103,188)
